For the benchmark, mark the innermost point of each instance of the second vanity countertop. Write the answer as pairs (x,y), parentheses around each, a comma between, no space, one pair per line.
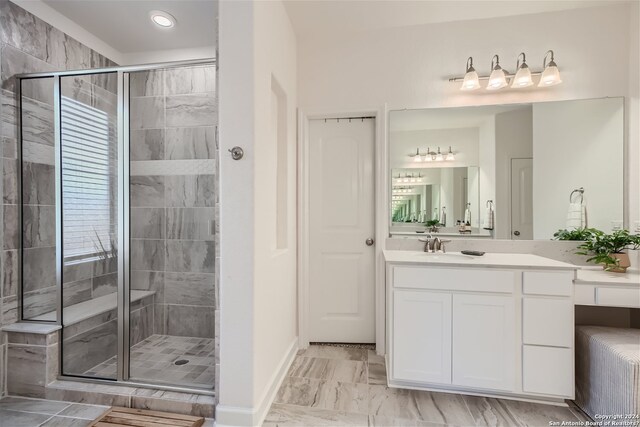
(496,260)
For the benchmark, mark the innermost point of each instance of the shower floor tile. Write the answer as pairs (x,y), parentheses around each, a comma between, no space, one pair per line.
(154,359)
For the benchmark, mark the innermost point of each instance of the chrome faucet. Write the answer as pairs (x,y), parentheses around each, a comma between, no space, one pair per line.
(434,244)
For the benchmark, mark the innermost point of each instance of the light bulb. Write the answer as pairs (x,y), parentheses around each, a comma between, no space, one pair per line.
(498,77)
(523,75)
(417,158)
(551,75)
(471,80)
(450,155)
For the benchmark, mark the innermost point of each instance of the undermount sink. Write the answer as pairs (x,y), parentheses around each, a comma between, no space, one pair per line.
(438,256)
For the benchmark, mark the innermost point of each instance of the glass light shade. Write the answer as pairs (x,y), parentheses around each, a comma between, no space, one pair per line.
(522,77)
(550,76)
(471,80)
(450,155)
(439,156)
(417,158)
(497,79)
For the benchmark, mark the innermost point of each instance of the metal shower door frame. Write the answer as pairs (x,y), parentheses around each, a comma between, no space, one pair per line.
(123,213)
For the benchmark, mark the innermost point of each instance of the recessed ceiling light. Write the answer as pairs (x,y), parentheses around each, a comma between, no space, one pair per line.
(162,19)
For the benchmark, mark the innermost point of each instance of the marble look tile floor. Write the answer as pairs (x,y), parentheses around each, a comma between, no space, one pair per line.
(154,359)
(28,412)
(347,386)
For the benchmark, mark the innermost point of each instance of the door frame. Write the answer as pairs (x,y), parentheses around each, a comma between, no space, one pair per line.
(510,195)
(380,218)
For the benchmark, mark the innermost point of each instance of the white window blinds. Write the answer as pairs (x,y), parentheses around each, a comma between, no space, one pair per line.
(88,180)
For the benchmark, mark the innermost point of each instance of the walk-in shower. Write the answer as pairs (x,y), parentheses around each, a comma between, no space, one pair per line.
(118,190)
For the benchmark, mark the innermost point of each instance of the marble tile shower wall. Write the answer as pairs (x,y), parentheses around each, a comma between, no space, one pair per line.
(28,44)
(173,197)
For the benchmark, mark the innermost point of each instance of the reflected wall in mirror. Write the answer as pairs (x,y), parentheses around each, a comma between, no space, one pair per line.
(526,158)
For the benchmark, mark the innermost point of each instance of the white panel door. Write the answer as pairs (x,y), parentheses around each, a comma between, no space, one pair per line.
(422,336)
(341,219)
(522,199)
(484,343)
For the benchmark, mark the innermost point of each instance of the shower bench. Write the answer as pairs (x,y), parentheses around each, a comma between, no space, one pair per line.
(90,329)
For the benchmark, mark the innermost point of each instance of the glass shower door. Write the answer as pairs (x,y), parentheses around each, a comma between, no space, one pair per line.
(88,174)
(172,120)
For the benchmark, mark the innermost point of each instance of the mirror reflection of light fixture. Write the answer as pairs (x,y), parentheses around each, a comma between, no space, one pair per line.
(523,74)
(471,80)
(550,75)
(428,157)
(498,77)
(417,158)
(450,156)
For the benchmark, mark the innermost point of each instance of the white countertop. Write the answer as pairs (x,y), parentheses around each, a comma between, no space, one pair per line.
(439,234)
(504,260)
(597,276)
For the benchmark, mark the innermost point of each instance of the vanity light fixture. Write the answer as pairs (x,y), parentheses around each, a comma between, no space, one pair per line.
(498,77)
(429,156)
(523,73)
(550,75)
(162,19)
(471,80)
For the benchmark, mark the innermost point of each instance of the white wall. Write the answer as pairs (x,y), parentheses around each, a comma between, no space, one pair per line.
(258,282)
(514,139)
(236,99)
(577,145)
(408,67)
(275,304)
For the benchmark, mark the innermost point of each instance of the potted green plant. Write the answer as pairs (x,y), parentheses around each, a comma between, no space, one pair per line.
(610,249)
(580,234)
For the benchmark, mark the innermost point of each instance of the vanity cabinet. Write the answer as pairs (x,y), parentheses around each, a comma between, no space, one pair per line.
(490,331)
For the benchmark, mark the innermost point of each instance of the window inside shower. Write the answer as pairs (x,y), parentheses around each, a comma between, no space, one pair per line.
(119,206)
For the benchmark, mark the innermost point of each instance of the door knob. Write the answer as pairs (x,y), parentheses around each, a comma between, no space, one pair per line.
(369,241)
(516,233)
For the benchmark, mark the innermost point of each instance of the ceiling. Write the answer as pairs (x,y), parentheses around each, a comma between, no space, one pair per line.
(320,18)
(126,27)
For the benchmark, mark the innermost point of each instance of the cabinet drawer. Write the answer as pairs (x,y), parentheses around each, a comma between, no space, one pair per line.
(547,321)
(618,297)
(466,279)
(547,370)
(584,294)
(548,283)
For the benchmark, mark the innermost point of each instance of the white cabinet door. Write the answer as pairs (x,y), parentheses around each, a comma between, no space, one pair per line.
(548,370)
(484,341)
(422,336)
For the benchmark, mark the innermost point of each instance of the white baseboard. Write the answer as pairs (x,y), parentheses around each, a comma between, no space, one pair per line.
(236,416)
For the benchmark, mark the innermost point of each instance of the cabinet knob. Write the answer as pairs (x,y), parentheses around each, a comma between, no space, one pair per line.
(369,241)
(516,233)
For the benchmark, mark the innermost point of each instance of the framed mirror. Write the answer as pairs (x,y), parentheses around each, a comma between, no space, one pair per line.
(518,171)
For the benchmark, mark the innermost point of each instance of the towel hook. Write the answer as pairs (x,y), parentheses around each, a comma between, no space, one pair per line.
(577,190)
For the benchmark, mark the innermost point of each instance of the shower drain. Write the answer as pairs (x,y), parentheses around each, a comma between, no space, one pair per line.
(181,362)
